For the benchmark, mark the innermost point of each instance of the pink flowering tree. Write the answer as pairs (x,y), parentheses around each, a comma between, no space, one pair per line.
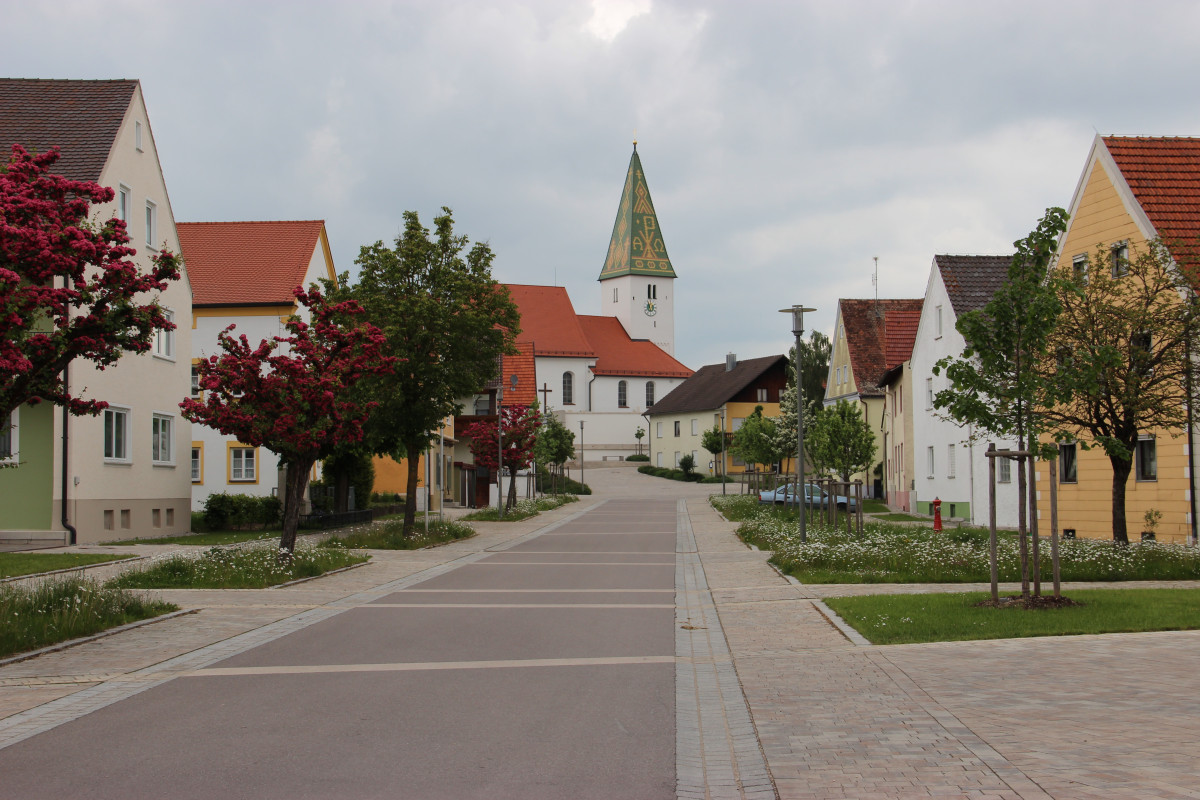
(68,288)
(520,430)
(289,394)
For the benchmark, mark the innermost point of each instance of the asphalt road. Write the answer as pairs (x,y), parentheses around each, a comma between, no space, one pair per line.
(546,670)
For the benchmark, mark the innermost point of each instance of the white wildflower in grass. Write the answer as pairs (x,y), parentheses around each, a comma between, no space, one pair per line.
(246,566)
(886,553)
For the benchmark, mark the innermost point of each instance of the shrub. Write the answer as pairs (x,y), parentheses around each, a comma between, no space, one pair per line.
(224,512)
(688,465)
(638,457)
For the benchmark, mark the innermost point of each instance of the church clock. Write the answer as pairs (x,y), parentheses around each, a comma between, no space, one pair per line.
(651,308)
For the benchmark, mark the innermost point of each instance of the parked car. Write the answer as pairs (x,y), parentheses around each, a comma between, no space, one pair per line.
(813,496)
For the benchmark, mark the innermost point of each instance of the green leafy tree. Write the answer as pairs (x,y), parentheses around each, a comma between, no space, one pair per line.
(814,366)
(842,441)
(1122,362)
(687,465)
(713,440)
(349,466)
(447,321)
(555,445)
(996,384)
(755,442)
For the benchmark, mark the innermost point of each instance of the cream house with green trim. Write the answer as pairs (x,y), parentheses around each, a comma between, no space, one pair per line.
(123,473)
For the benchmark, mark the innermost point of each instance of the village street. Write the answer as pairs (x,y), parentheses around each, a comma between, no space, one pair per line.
(626,646)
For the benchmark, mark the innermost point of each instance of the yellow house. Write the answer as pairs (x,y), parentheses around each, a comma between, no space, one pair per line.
(392,476)
(717,394)
(869,338)
(1132,189)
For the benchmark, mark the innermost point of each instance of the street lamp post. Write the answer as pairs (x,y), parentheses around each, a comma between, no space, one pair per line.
(797,313)
(722,451)
(500,451)
(581,483)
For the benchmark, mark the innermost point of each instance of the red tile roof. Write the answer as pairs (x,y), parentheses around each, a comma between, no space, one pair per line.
(879,335)
(1164,175)
(548,321)
(521,365)
(80,117)
(247,263)
(971,281)
(617,354)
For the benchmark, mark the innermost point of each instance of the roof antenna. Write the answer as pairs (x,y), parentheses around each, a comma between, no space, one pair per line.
(875,283)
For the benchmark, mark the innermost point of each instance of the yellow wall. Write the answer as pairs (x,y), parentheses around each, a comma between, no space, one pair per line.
(1101,218)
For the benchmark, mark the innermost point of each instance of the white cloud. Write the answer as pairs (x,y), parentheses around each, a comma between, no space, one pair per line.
(610,17)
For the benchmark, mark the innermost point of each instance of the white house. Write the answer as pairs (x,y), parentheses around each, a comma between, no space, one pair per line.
(244,274)
(948,459)
(124,472)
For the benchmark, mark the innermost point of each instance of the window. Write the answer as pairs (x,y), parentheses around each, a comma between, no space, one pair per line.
(1067,469)
(649,393)
(197,462)
(1118,259)
(162,432)
(137,135)
(1079,268)
(735,424)
(1141,352)
(243,462)
(929,458)
(151,223)
(622,392)
(937,322)
(164,342)
(1003,470)
(9,446)
(1147,459)
(123,195)
(614,295)
(950,461)
(116,434)
(658,430)
(676,459)
(659,462)
(568,389)
(676,427)
(929,392)
(651,291)
(695,427)
(762,395)
(196,380)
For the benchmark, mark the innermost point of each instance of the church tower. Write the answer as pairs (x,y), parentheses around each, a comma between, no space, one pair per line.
(637,282)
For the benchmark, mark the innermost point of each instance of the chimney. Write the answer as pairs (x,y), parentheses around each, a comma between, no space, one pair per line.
(730,362)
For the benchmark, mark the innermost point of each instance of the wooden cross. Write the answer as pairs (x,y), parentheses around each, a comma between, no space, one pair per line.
(544,391)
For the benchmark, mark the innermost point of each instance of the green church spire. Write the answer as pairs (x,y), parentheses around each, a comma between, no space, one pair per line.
(637,245)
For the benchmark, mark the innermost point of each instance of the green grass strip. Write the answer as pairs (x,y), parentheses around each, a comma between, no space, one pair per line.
(390,536)
(56,610)
(14,564)
(236,568)
(914,618)
(524,509)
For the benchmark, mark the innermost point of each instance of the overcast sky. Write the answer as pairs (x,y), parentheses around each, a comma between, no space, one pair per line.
(785,144)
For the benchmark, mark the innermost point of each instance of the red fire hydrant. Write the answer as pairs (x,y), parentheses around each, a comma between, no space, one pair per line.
(937,514)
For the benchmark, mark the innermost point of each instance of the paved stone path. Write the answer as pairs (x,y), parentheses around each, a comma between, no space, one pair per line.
(760,695)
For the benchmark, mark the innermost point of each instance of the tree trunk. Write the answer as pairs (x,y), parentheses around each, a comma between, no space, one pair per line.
(1121,470)
(413,463)
(1036,565)
(1022,507)
(511,503)
(1054,564)
(342,491)
(297,482)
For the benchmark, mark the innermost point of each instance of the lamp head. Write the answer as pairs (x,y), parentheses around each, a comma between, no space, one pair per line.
(797,313)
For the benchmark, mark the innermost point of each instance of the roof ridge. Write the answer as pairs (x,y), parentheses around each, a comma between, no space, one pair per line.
(256,222)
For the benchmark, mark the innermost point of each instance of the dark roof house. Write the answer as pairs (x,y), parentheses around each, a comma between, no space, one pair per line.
(714,385)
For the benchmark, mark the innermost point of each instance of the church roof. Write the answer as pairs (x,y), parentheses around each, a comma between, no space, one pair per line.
(618,354)
(549,322)
(636,247)
(247,263)
(80,117)
(520,364)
